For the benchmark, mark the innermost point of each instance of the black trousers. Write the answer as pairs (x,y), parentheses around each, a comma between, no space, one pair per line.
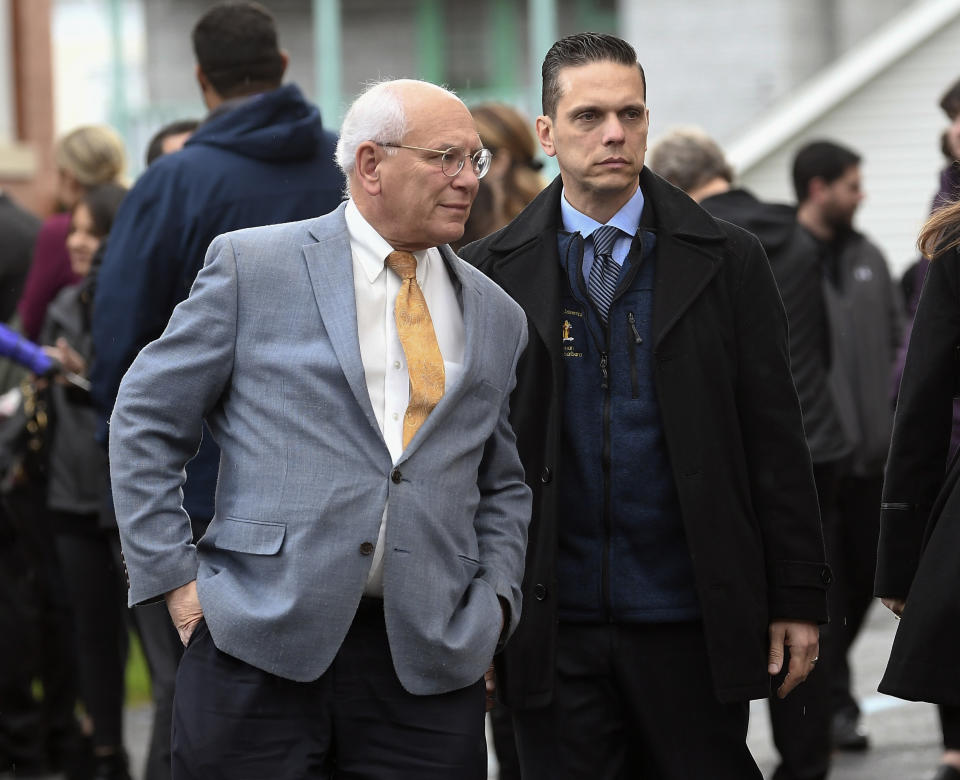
(634,701)
(232,721)
(801,722)
(36,641)
(163,649)
(950,723)
(89,557)
(853,558)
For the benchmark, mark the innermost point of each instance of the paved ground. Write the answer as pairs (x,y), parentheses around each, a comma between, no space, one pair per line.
(906,736)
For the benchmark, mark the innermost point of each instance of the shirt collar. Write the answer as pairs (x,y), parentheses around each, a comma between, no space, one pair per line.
(371,249)
(627,219)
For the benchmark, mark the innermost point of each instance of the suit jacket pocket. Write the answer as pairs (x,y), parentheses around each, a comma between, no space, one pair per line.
(249,536)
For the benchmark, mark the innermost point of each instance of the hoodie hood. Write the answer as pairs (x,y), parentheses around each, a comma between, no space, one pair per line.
(772,223)
(275,125)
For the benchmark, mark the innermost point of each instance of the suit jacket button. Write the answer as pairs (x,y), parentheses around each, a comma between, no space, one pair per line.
(539,591)
(366,548)
(825,575)
(396,476)
(546,476)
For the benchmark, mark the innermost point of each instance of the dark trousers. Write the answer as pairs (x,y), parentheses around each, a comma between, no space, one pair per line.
(235,722)
(504,744)
(852,553)
(801,722)
(88,556)
(36,641)
(634,701)
(163,649)
(950,723)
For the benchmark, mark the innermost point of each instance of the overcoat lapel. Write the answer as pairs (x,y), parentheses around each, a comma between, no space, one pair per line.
(530,275)
(689,251)
(683,270)
(330,266)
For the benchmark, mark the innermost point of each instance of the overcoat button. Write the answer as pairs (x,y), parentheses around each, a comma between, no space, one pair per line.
(539,591)
(396,476)
(546,475)
(366,548)
(825,576)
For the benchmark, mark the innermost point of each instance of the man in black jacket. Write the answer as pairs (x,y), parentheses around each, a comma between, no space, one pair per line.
(694,162)
(675,548)
(866,323)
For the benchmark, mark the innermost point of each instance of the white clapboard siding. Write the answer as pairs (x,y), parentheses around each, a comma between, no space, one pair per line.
(890,116)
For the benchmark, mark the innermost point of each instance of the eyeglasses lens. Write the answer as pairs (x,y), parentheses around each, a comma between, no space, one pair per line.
(453,161)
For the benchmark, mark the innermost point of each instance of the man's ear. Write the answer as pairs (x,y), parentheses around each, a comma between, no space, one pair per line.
(545,135)
(286,60)
(816,188)
(210,97)
(366,166)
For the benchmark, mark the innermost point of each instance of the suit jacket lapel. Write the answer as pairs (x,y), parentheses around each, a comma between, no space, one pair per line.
(330,266)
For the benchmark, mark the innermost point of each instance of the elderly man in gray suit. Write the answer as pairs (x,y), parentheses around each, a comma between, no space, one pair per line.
(366,554)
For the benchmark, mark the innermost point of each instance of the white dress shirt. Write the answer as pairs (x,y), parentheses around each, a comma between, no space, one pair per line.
(375,288)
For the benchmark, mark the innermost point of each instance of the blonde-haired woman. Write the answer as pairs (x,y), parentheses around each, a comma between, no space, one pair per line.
(918,563)
(86,157)
(514,178)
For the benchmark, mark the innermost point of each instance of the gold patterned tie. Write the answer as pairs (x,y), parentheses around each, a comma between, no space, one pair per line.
(419,342)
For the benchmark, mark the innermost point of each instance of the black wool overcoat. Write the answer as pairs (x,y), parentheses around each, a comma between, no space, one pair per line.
(732,424)
(919,553)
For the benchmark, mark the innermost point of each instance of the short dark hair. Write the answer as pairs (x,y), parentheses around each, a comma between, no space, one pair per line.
(582,49)
(820,159)
(102,202)
(155,147)
(236,48)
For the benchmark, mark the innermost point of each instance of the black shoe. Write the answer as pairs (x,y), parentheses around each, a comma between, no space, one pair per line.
(111,767)
(848,734)
(947,772)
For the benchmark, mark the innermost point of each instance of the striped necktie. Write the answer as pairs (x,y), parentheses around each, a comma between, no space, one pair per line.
(419,342)
(602,283)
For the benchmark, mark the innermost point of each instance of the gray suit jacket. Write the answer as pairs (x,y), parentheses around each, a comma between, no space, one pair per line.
(265,349)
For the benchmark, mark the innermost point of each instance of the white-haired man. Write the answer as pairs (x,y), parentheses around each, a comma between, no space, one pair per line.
(366,553)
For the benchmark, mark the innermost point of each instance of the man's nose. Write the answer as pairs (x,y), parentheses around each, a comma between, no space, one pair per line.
(467,177)
(613,131)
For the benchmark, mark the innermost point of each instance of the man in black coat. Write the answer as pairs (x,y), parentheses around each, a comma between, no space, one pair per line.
(694,162)
(866,325)
(675,548)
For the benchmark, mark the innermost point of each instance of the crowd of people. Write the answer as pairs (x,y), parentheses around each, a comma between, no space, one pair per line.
(367,432)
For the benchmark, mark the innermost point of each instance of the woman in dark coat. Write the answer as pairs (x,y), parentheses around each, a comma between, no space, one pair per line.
(86,540)
(918,575)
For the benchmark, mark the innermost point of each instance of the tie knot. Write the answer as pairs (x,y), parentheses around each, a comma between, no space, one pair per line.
(604,238)
(403,264)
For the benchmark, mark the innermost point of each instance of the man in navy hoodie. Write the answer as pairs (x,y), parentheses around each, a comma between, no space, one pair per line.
(260,157)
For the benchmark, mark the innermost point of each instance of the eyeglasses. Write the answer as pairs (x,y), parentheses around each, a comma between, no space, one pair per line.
(452,160)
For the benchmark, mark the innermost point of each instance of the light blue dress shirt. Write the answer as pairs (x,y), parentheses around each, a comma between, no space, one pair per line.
(627,219)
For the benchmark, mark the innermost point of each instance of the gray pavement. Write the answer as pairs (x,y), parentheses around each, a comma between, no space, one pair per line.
(905,735)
